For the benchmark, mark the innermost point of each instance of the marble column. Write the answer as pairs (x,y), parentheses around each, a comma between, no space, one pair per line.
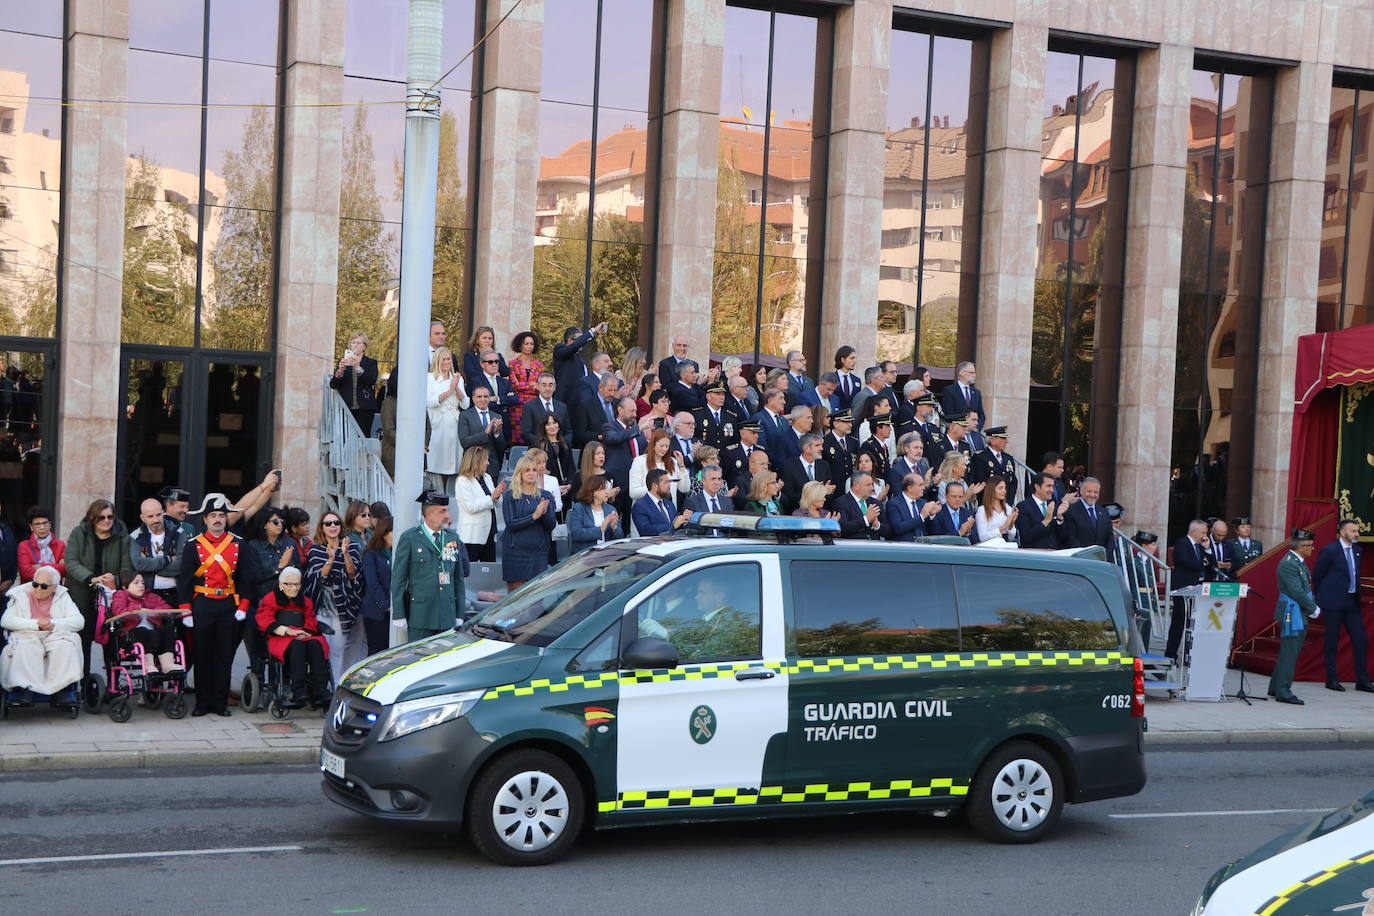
(97,37)
(854,187)
(687,175)
(1149,324)
(309,242)
(509,157)
(1011,181)
(1302,109)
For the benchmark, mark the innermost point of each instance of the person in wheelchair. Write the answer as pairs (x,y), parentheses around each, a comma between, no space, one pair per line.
(294,638)
(42,654)
(136,609)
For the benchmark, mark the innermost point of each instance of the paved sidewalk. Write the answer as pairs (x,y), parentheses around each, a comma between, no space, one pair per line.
(39,739)
(1327,716)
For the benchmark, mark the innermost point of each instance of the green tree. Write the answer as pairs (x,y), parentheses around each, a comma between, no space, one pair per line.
(238,305)
(560,279)
(159,295)
(365,245)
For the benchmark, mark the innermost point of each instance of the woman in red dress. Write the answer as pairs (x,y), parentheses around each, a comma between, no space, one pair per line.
(293,637)
(524,378)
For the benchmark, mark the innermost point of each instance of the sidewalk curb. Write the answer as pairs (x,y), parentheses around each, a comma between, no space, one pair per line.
(1260,736)
(109,760)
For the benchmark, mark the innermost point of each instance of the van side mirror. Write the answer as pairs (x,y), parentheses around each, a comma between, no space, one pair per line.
(648,652)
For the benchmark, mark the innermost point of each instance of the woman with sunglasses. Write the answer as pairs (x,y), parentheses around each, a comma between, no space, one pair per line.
(41,625)
(334,581)
(97,556)
(358,523)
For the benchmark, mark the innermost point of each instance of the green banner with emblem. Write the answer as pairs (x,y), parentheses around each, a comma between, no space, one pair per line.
(1355,457)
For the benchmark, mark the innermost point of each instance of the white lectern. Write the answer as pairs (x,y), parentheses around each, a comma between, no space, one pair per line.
(1211,623)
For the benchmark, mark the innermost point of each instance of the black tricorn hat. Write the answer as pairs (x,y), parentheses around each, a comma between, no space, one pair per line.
(1144,537)
(1302,534)
(432,498)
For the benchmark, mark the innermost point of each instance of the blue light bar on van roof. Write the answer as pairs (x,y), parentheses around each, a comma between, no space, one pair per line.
(765,524)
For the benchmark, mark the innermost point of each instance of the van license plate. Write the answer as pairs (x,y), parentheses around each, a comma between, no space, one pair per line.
(332,764)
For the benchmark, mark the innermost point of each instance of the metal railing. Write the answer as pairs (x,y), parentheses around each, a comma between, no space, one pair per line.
(350,463)
(1147,579)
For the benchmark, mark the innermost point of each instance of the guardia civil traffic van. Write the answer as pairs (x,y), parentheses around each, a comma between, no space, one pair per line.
(771,674)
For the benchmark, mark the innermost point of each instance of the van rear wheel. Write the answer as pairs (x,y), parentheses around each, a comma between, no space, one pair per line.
(1017,795)
(525,809)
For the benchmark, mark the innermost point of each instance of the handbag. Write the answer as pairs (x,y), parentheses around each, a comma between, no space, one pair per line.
(289,617)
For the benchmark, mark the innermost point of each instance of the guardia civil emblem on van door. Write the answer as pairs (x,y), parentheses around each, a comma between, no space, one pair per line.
(703,724)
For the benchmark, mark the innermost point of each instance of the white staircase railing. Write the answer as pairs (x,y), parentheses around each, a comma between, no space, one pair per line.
(350,463)
(1143,573)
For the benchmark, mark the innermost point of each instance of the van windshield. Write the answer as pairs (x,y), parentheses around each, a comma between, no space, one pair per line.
(549,605)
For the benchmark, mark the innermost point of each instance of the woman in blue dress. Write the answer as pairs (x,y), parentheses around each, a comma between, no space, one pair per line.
(528,511)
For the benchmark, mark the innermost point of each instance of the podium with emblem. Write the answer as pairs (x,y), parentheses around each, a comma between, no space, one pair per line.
(1207,638)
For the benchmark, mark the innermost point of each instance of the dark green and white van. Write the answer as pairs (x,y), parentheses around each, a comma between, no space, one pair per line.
(686,678)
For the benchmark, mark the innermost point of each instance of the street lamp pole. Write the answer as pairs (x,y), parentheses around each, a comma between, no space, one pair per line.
(424,47)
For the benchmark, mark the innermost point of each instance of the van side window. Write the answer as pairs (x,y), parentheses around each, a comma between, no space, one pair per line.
(1019,610)
(870,608)
(708,615)
(600,654)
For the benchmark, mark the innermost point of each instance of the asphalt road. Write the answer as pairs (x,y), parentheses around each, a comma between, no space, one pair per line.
(1099,861)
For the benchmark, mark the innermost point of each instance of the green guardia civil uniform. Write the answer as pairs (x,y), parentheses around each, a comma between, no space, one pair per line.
(1295,593)
(427,580)
(1246,553)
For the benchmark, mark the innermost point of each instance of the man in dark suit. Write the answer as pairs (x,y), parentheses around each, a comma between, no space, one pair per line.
(712,496)
(772,426)
(1086,523)
(737,398)
(849,382)
(961,397)
(1053,464)
(922,420)
(1336,589)
(788,443)
(1038,516)
(568,365)
(482,425)
(823,393)
(503,393)
(624,443)
(797,472)
(1223,558)
(667,367)
(798,382)
(588,386)
(734,461)
(875,383)
(904,420)
(537,411)
(839,447)
(954,518)
(590,415)
(904,516)
(861,516)
(954,439)
(994,461)
(685,394)
(1189,569)
(683,441)
(717,425)
(653,513)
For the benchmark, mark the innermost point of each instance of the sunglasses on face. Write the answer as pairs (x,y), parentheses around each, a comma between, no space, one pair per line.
(364,515)
(332,523)
(488,362)
(42,586)
(274,521)
(104,518)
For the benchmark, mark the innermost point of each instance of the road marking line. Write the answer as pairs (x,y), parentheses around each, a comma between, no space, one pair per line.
(44,860)
(1224,813)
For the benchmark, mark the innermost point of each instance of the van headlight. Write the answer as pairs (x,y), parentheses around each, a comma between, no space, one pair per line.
(414,715)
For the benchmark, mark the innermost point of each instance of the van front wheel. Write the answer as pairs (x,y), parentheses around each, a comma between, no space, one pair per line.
(526,809)
(1017,795)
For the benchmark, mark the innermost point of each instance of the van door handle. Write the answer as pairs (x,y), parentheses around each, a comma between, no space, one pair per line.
(757,673)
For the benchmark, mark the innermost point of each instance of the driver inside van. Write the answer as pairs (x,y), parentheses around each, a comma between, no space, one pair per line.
(696,617)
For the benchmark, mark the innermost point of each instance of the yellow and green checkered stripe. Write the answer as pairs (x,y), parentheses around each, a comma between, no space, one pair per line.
(947,660)
(1274,904)
(783,795)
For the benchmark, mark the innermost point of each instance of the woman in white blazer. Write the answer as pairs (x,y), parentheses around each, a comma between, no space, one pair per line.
(477,500)
(446,397)
(659,454)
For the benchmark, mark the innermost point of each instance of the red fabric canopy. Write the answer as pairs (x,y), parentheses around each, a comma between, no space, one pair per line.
(1337,358)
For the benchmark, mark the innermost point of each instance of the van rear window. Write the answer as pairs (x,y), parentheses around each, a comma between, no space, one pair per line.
(1017,610)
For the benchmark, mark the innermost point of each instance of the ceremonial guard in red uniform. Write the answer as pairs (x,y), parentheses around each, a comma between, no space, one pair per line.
(208,588)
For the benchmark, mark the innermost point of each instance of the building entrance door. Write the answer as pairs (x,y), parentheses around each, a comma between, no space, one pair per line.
(28,447)
(193,419)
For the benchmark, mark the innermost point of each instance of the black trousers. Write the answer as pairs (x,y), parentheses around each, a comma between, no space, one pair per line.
(1349,616)
(378,633)
(484,553)
(1178,618)
(154,641)
(215,637)
(306,666)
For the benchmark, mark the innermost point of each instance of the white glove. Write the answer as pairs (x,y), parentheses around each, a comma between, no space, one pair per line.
(398,622)
(1317,613)
(240,615)
(190,622)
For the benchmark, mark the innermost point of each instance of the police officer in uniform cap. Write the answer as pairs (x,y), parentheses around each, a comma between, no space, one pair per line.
(717,425)
(428,565)
(1244,548)
(175,503)
(993,460)
(1147,584)
(840,447)
(209,588)
(734,461)
(1295,606)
